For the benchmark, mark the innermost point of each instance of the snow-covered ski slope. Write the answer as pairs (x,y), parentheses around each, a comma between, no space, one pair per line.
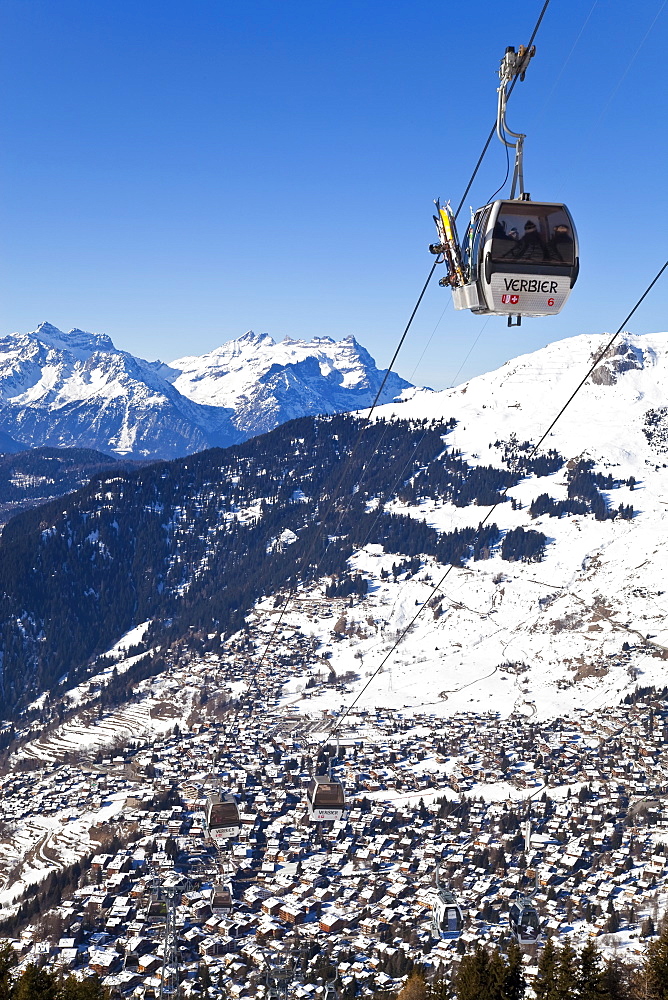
(579,629)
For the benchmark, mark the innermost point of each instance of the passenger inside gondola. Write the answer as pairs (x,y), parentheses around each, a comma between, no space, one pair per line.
(451,920)
(531,233)
(224,814)
(529,924)
(560,247)
(529,246)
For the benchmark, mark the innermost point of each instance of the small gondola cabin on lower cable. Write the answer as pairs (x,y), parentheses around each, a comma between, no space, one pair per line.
(326,799)
(447,919)
(222,818)
(221,899)
(518,258)
(524,921)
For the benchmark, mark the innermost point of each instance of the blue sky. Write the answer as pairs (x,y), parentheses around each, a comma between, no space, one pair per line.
(176,173)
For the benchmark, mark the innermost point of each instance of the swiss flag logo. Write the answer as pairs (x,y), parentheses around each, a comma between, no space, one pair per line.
(510,299)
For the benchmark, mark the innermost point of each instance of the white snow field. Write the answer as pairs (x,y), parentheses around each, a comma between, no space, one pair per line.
(565,619)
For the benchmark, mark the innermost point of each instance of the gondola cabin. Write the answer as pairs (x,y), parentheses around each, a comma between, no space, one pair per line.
(524,921)
(222,818)
(326,799)
(221,899)
(518,258)
(447,919)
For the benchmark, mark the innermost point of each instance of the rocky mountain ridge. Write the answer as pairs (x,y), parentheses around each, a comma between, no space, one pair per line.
(78,390)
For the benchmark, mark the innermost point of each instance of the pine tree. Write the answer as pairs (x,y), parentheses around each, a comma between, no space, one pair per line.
(496,977)
(204,978)
(590,974)
(36,984)
(480,975)
(7,961)
(87,989)
(470,981)
(438,988)
(415,988)
(545,984)
(566,973)
(616,980)
(655,968)
(514,983)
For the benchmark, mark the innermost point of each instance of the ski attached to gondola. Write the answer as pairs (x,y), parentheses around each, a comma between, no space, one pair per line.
(449,244)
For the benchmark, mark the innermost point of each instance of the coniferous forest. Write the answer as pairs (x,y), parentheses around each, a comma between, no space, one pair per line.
(564,973)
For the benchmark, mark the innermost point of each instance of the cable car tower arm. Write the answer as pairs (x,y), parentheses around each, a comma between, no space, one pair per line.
(513,65)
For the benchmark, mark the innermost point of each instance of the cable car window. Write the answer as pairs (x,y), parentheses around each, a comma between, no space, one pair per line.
(477,240)
(471,243)
(451,921)
(329,794)
(224,814)
(531,233)
(530,919)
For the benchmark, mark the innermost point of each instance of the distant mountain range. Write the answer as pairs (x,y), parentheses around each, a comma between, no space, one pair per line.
(77,390)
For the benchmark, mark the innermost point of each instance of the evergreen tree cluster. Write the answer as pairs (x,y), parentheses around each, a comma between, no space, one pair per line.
(564,973)
(644,692)
(584,496)
(46,472)
(407,566)
(453,479)
(38,983)
(517,456)
(655,428)
(347,584)
(523,545)
(407,535)
(486,973)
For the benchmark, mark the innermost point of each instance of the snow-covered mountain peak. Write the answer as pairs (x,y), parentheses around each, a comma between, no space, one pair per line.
(78,343)
(78,389)
(252,338)
(610,417)
(267,382)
